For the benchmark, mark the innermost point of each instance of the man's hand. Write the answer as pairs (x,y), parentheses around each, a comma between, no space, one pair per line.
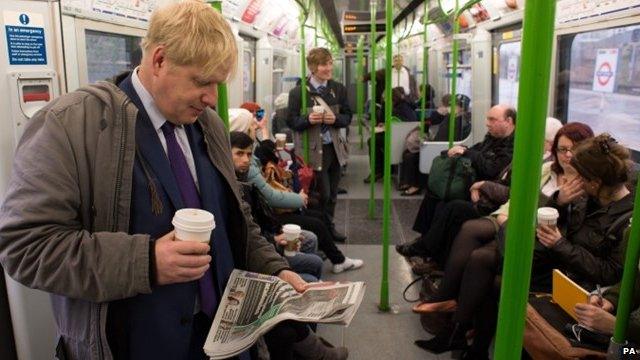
(548,235)
(456,150)
(475,191)
(294,280)
(315,118)
(501,219)
(570,191)
(280,239)
(329,118)
(595,318)
(603,303)
(180,261)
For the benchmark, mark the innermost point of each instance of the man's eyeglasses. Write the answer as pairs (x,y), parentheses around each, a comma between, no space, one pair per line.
(564,150)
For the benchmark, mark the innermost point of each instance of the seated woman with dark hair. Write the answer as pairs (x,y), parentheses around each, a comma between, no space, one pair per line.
(590,251)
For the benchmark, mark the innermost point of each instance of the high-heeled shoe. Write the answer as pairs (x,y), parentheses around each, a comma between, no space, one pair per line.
(431,307)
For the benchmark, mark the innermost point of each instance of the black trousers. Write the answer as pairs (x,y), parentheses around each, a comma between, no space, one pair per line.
(379,151)
(312,220)
(282,336)
(327,181)
(445,225)
(410,170)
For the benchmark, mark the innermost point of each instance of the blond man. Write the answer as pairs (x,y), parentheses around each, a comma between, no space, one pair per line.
(328,111)
(97,178)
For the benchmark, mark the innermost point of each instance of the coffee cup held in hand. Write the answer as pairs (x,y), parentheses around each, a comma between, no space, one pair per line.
(548,216)
(281,140)
(318,109)
(292,235)
(193,225)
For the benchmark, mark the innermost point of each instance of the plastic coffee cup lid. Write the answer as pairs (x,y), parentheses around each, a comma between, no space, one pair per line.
(318,108)
(291,229)
(547,213)
(194,220)
(281,136)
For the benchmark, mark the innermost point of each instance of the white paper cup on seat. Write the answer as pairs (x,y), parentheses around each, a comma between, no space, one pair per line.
(193,225)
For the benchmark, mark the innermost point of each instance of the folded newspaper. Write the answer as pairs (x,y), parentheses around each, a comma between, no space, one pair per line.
(253,303)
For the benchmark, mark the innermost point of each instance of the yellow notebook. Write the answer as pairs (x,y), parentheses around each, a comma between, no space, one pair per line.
(567,293)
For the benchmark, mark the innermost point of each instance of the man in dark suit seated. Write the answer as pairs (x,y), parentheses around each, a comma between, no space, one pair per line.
(488,157)
(97,178)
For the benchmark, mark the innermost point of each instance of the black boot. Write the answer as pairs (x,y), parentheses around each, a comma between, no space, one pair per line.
(448,340)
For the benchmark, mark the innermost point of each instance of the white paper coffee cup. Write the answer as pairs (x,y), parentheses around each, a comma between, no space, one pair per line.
(548,216)
(193,225)
(292,235)
(318,109)
(281,140)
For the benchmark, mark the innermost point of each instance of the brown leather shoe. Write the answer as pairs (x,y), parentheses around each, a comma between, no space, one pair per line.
(442,306)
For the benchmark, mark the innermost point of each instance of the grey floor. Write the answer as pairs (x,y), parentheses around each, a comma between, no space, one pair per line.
(374,334)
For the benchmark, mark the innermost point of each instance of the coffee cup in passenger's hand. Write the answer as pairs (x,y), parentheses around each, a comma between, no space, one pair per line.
(292,236)
(281,140)
(193,225)
(318,109)
(548,216)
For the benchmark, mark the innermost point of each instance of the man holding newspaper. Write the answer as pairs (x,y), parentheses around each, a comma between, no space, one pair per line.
(111,164)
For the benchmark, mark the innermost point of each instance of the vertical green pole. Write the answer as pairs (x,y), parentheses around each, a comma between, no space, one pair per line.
(303,88)
(386,207)
(223,97)
(454,77)
(537,41)
(315,39)
(629,275)
(360,87)
(372,117)
(425,70)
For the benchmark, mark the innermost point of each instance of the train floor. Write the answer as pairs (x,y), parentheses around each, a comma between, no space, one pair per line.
(374,334)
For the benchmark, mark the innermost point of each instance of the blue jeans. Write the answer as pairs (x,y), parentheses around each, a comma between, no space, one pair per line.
(306,262)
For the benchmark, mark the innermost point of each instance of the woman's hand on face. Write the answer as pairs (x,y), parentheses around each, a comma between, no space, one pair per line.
(548,235)
(570,191)
(595,318)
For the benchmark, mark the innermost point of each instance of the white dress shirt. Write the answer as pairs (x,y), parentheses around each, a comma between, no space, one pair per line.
(157,119)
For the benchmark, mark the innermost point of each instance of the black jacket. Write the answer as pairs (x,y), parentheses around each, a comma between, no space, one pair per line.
(490,156)
(337,95)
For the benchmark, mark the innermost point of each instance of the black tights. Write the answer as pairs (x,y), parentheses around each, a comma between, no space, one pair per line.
(472,236)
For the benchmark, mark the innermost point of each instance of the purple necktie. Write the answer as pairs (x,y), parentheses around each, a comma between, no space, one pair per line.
(191,199)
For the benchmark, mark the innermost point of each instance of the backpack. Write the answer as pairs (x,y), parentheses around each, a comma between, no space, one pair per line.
(451,177)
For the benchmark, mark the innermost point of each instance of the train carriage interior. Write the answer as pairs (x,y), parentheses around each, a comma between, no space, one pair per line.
(452,64)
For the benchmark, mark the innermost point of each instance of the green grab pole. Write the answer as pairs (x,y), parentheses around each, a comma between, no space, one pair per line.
(360,87)
(222,106)
(386,207)
(303,90)
(454,76)
(629,275)
(537,41)
(315,39)
(372,117)
(425,70)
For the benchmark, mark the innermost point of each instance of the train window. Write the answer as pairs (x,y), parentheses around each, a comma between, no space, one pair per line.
(463,84)
(599,81)
(109,54)
(509,73)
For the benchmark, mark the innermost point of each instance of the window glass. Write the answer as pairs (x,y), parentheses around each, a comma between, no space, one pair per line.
(110,54)
(509,73)
(463,84)
(603,76)
(338,70)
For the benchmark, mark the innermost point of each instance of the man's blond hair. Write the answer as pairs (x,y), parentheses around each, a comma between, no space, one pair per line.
(193,34)
(318,56)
